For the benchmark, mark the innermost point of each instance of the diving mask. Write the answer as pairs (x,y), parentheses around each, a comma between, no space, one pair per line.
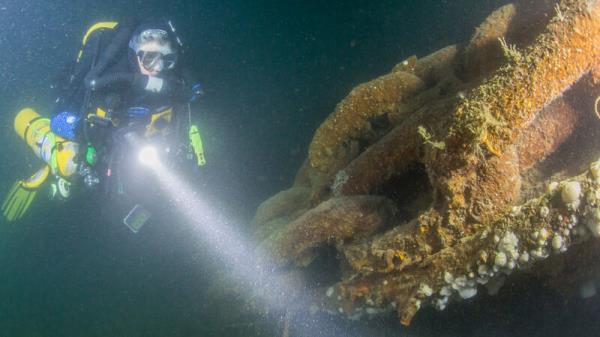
(153,50)
(156,61)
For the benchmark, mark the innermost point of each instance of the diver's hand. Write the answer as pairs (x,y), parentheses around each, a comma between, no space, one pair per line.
(197,92)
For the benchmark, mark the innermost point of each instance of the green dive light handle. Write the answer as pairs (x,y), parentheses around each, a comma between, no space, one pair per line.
(196,143)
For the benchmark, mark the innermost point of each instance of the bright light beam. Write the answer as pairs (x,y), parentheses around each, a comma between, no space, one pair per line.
(246,266)
(149,156)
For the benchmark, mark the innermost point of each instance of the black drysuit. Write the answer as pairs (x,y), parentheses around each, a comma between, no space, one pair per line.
(107,77)
(108,72)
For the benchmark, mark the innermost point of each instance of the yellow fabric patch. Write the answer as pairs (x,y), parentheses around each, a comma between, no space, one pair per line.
(101,113)
(166,115)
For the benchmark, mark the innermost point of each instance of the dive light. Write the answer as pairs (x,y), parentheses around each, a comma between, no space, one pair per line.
(147,154)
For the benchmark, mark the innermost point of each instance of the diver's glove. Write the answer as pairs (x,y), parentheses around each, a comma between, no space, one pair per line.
(197,92)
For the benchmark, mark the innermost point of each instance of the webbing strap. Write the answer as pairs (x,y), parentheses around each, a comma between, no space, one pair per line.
(53,153)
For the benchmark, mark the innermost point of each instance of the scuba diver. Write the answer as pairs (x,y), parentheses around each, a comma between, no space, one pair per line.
(127,88)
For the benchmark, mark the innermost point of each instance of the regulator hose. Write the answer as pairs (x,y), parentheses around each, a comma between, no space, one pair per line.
(108,80)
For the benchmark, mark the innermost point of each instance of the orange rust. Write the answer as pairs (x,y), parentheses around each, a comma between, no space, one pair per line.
(400,255)
(350,120)
(354,291)
(546,69)
(389,256)
(457,200)
(489,146)
(358,291)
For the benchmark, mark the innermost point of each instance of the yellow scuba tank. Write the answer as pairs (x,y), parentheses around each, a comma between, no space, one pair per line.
(57,153)
(54,150)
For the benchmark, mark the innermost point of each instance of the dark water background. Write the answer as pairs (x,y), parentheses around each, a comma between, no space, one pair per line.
(273,70)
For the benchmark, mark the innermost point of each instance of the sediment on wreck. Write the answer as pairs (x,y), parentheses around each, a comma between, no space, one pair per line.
(481,138)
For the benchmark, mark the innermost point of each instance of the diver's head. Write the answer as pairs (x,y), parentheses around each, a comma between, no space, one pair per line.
(154,48)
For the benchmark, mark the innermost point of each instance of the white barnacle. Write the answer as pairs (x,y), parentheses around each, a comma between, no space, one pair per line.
(448,278)
(514,254)
(524,258)
(539,253)
(571,194)
(424,290)
(511,265)
(543,236)
(552,187)
(459,282)
(484,235)
(515,211)
(509,243)
(441,303)
(468,292)
(445,291)
(500,260)
(544,211)
(482,270)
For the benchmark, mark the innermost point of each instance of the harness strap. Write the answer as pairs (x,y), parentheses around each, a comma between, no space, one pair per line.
(53,153)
